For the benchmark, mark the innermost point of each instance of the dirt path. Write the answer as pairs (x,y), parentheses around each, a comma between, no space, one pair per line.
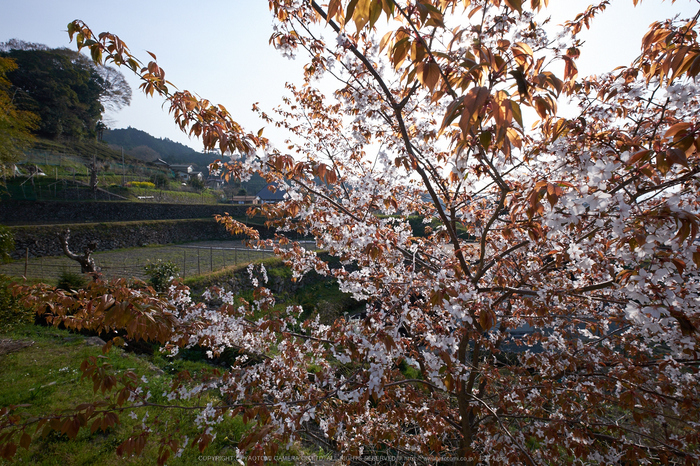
(10,346)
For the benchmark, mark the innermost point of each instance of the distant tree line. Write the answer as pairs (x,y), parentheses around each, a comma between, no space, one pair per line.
(141,145)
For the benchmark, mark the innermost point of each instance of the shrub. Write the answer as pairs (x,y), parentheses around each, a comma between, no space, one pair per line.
(160,180)
(7,243)
(197,184)
(161,274)
(12,313)
(69,280)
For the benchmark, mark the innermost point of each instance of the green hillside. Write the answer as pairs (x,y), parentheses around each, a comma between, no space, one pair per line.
(80,151)
(61,170)
(133,140)
(142,145)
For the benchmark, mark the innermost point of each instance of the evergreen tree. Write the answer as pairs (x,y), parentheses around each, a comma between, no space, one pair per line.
(64,88)
(15,125)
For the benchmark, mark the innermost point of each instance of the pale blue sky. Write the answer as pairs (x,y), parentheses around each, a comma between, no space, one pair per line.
(219,48)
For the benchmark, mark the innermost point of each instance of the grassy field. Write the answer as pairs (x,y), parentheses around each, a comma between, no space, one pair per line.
(41,370)
(65,167)
(190,258)
(41,373)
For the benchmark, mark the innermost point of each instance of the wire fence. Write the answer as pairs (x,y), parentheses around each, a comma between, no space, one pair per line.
(70,187)
(67,177)
(191,259)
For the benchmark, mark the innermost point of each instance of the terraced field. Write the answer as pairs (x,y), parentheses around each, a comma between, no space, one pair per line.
(191,258)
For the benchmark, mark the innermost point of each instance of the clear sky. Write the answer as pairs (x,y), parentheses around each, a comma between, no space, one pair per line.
(219,48)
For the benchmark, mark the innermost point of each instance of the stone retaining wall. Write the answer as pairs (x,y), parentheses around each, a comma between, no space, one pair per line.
(17,212)
(42,240)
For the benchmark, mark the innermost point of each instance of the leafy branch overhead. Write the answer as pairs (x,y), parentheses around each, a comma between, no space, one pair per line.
(530,278)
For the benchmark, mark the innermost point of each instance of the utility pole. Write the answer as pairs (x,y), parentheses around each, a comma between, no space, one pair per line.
(123,169)
(93,175)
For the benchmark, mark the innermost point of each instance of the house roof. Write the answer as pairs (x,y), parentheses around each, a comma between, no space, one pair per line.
(182,167)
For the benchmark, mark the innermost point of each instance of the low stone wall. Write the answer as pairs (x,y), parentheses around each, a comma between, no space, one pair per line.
(17,212)
(42,240)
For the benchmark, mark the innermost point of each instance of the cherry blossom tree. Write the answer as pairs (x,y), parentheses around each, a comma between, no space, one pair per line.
(548,307)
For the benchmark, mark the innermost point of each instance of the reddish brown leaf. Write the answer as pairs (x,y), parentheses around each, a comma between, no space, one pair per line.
(522,53)
(570,69)
(676,156)
(400,51)
(334,9)
(677,128)
(9,450)
(95,426)
(641,155)
(680,265)
(542,107)
(474,103)
(696,258)
(428,74)
(516,5)
(25,440)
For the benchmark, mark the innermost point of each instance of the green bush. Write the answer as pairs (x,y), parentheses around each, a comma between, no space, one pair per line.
(160,180)
(7,243)
(69,280)
(197,184)
(12,313)
(161,274)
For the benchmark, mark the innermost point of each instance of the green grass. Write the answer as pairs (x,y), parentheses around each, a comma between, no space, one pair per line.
(274,266)
(66,161)
(317,295)
(175,196)
(325,299)
(46,150)
(46,377)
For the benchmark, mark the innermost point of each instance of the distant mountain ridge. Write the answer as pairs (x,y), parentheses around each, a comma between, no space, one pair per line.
(143,146)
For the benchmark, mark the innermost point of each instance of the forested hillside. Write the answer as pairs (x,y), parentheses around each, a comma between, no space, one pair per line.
(139,143)
(66,91)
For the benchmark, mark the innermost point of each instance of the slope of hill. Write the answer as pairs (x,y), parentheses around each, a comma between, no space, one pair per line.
(143,146)
(79,150)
